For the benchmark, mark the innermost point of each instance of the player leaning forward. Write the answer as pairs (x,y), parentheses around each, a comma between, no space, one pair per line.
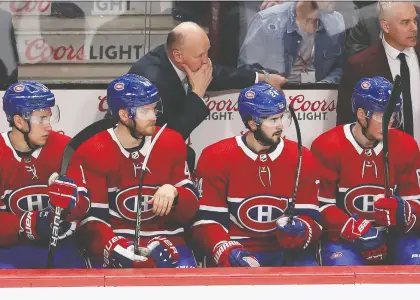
(245,184)
(362,226)
(115,157)
(29,154)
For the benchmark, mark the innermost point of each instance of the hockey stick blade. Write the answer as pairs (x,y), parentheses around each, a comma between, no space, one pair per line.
(140,192)
(290,212)
(71,147)
(390,108)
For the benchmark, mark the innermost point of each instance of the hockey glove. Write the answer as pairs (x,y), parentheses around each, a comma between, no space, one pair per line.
(233,254)
(36,226)
(394,211)
(298,234)
(163,252)
(368,240)
(119,253)
(64,193)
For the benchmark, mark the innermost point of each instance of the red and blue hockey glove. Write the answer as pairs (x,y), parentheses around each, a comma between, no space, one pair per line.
(233,254)
(370,241)
(298,234)
(64,193)
(163,252)
(36,226)
(394,211)
(119,253)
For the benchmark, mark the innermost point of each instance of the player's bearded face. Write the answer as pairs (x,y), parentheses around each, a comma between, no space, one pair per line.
(146,117)
(270,130)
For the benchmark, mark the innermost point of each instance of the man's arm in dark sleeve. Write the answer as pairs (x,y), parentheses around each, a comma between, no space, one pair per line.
(188,117)
(349,79)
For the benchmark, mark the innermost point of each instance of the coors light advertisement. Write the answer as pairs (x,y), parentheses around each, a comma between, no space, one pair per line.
(74,48)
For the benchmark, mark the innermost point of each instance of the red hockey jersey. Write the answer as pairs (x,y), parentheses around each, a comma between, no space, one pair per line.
(24,182)
(244,193)
(351,176)
(114,194)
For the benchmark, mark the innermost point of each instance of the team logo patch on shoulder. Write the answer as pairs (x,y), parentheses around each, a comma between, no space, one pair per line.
(250,95)
(19,88)
(365,85)
(119,86)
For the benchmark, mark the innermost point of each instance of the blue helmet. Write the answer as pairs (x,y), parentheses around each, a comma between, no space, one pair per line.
(259,101)
(24,97)
(372,95)
(129,92)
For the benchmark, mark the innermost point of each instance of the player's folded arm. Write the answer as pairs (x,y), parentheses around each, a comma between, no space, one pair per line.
(187,202)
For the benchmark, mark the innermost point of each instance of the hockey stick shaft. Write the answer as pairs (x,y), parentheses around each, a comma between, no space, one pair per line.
(290,212)
(390,108)
(71,147)
(140,193)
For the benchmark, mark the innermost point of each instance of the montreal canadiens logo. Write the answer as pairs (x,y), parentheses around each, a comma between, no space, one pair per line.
(18,88)
(126,202)
(119,86)
(260,213)
(28,198)
(365,85)
(360,200)
(250,95)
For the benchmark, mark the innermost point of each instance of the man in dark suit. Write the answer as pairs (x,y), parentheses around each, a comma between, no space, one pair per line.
(396,54)
(183,72)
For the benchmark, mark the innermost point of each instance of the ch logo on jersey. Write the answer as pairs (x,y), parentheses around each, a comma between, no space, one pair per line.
(260,213)
(126,202)
(360,200)
(28,198)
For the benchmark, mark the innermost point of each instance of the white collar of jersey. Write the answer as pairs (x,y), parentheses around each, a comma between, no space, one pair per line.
(8,143)
(143,150)
(350,137)
(273,155)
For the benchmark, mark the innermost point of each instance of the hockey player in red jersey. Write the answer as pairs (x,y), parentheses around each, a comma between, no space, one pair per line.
(245,185)
(29,154)
(361,226)
(116,157)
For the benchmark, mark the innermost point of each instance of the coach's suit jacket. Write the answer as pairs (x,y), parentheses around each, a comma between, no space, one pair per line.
(182,112)
(368,63)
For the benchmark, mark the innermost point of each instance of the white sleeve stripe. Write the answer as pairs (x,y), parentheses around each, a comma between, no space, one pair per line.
(343,189)
(99,205)
(114,214)
(90,219)
(307,206)
(412,200)
(415,197)
(203,222)
(183,182)
(326,200)
(82,189)
(325,206)
(229,199)
(213,208)
(113,189)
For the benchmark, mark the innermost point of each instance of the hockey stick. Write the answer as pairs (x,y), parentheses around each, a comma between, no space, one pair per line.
(290,211)
(71,147)
(140,194)
(390,108)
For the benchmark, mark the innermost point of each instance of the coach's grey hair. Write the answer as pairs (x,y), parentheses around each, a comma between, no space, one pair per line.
(384,8)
